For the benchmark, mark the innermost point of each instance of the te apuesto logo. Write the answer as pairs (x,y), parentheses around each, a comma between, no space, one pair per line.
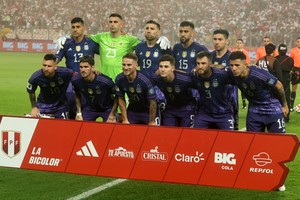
(120,152)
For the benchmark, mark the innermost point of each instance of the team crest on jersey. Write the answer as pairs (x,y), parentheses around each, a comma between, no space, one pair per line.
(206,84)
(184,54)
(244,85)
(120,43)
(78,48)
(151,91)
(155,54)
(60,81)
(148,53)
(98,91)
(138,89)
(86,47)
(193,54)
(90,91)
(131,89)
(52,84)
(11,143)
(169,89)
(177,89)
(215,83)
(252,86)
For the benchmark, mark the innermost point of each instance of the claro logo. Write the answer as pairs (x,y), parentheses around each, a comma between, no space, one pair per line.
(181,157)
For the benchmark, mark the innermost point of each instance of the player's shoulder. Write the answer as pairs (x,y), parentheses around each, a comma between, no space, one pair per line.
(37,74)
(64,70)
(104,78)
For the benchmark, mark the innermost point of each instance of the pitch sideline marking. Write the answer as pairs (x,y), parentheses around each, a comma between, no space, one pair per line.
(105,186)
(97,189)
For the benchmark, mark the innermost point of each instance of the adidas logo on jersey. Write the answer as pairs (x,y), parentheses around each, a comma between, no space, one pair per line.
(88,150)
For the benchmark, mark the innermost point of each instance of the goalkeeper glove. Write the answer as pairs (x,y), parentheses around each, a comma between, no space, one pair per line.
(61,41)
(163,42)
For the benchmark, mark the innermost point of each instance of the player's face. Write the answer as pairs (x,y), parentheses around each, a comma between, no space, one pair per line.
(220,42)
(151,32)
(238,67)
(129,66)
(166,69)
(186,33)
(86,70)
(203,66)
(267,41)
(239,44)
(298,43)
(115,24)
(77,29)
(49,67)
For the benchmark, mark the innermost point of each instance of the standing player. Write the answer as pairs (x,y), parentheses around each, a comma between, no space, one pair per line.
(261,52)
(220,59)
(149,52)
(240,47)
(139,89)
(77,46)
(265,93)
(185,51)
(73,49)
(286,65)
(177,88)
(53,82)
(295,55)
(215,110)
(98,91)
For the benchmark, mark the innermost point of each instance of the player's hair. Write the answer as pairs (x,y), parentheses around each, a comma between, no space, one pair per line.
(270,48)
(116,15)
(167,57)
(282,49)
(50,57)
(240,40)
(87,58)
(187,23)
(153,22)
(203,54)
(237,55)
(224,32)
(77,20)
(131,56)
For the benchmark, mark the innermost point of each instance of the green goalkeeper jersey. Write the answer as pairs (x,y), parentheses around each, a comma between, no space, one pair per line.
(112,50)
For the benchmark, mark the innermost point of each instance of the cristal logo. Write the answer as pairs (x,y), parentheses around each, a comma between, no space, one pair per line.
(36,159)
(225,158)
(120,152)
(181,157)
(155,155)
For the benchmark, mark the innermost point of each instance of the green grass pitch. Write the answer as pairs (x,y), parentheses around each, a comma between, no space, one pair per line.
(16,69)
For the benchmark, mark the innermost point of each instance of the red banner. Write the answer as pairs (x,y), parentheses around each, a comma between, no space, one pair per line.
(168,154)
(45,46)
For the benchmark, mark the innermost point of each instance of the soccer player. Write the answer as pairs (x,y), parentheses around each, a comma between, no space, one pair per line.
(53,82)
(295,55)
(269,62)
(149,52)
(77,46)
(286,65)
(240,47)
(185,51)
(73,49)
(177,88)
(265,93)
(215,109)
(98,91)
(220,59)
(261,52)
(140,91)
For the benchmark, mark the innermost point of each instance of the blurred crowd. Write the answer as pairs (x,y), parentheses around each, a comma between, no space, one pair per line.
(250,20)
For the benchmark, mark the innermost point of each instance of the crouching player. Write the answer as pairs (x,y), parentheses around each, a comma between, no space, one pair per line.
(97,90)
(53,82)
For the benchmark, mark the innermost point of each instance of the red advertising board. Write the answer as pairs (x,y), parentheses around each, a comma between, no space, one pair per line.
(179,155)
(46,46)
